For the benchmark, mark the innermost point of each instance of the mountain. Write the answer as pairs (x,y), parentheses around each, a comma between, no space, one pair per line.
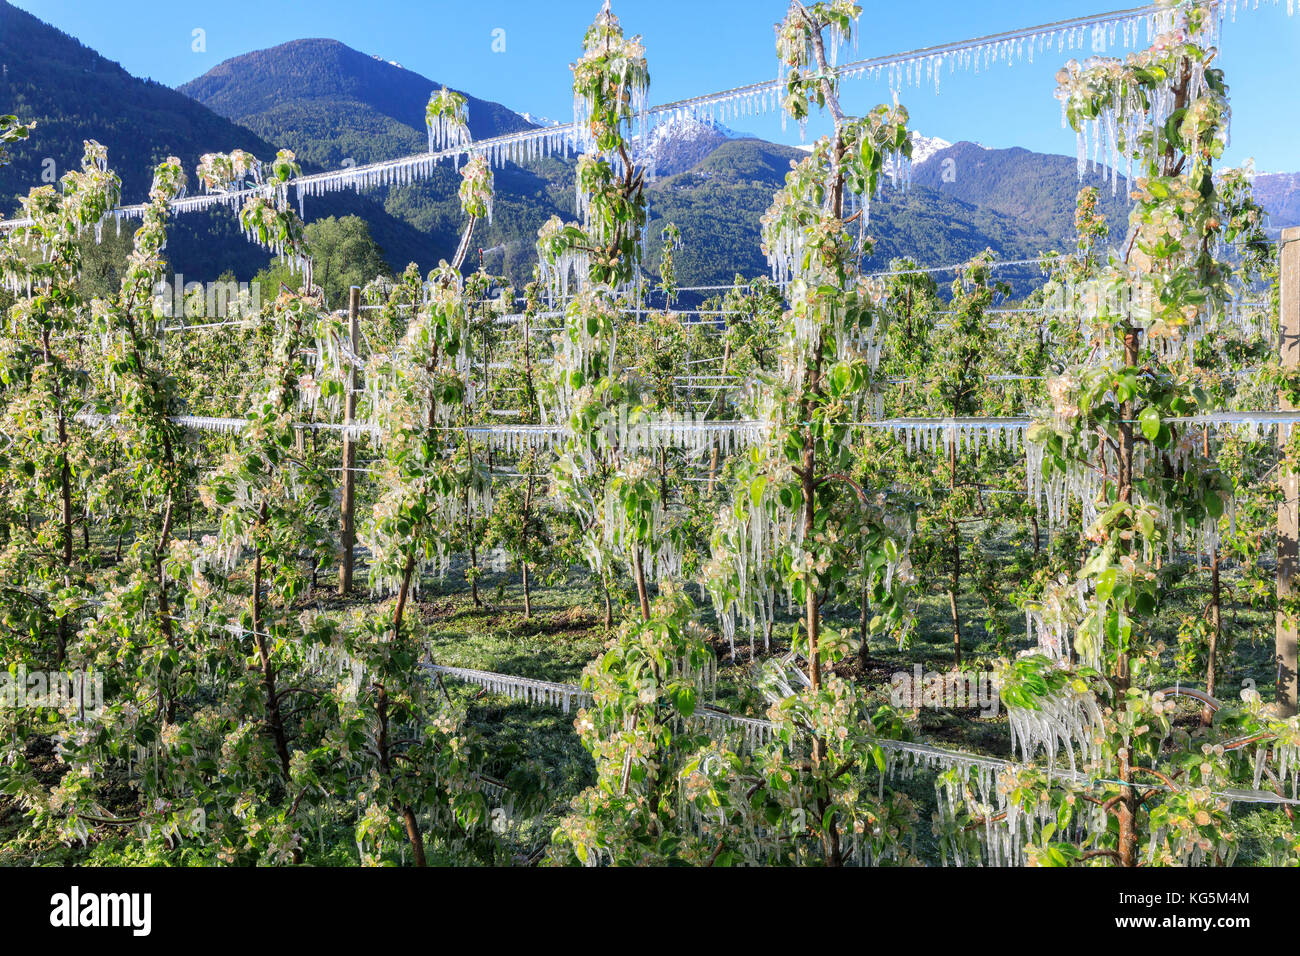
(1279,193)
(330,103)
(1036,189)
(75,94)
(718,203)
(335,105)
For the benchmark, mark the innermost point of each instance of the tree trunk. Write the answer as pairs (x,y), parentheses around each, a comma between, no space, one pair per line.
(609,605)
(528,505)
(473,546)
(812,392)
(1127,808)
(1216,614)
(864,622)
(164,606)
(955,529)
(404,591)
(713,457)
(1216,628)
(663,477)
(274,719)
(65,495)
(528,606)
(386,766)
(641,593)
(381,710)
(808,485)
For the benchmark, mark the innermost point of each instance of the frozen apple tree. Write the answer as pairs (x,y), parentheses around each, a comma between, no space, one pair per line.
(270,500)
(602,471)
(671,237)
(799,521)
(47,586)
(658,669)
(144,407)
(45,388)
(447,119)
(610,82)
(646,689)
(416,392)
(1119,440)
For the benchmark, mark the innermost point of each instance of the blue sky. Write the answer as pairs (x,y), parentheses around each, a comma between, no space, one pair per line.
(695,46)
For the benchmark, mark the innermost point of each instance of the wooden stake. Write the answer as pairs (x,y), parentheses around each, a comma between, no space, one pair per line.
(350,445)
(1288,514)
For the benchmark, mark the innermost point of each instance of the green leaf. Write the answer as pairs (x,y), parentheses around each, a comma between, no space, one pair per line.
(1150,422)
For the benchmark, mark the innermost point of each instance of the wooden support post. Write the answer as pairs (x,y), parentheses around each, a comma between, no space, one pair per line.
(350,445)
(1288,510)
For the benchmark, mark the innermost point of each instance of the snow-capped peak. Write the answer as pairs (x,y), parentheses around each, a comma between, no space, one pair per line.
(681,142)
(688,127)
(923,147)
(539,120)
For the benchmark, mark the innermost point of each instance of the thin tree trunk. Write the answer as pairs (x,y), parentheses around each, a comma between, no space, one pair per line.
(65,494)
(808,485)
(713,458)
(864,621)
(275,720)
(404,591)
(829,828)
(663,477)
(955,529)
(473,563)
(1216,628)
(528,505)
(1216,614)
(641,593)
(528,605)
(609,605)
(164,606)
(1127,808)
(386,766)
